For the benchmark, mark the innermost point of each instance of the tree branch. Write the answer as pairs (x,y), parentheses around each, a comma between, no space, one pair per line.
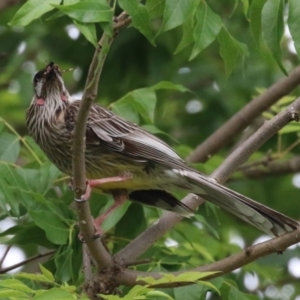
(269,128)
(244,117)
(24,262)
(272,168)
(224,266)
(96,248)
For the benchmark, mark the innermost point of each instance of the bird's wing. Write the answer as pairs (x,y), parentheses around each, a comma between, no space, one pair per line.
(116,134)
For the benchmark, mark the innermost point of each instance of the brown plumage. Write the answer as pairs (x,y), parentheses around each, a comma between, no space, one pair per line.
(115,146)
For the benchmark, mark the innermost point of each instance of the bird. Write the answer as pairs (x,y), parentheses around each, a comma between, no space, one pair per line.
(126,161)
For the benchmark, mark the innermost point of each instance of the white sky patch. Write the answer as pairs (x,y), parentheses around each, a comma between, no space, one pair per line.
(261,239)
(184,70)
(77,96)
(21,47)
(251,281)
(198,225)
(215,86)
(294,267)
(14,256)
(194,106)
(296,180)
(271,292)
(77,73)
(171,243)
(236,271)
(236,239)
(290,43)
(73,32)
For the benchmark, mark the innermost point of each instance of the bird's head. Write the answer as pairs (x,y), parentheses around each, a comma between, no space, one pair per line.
(49,85)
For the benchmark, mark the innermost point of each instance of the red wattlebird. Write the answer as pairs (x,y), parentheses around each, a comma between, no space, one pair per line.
(125,160)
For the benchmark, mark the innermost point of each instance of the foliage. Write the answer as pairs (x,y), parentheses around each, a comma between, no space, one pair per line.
(161,91)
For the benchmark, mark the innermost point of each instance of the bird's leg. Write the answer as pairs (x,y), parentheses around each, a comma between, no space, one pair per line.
(119,196)
(92,183)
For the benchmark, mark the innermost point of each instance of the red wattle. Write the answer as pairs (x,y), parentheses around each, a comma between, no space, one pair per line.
(40,101)
(63,97)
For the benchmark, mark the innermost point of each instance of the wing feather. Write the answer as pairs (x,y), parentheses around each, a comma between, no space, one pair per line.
(116,134)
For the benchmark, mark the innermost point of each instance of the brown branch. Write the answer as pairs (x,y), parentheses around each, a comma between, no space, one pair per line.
(24,262)
(272,168)
(96,248)
(226,265)
(242,153)
(4,255)
(8,3)
(141,243)
(244,117)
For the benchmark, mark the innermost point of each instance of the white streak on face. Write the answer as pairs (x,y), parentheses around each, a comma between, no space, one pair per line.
(38,88)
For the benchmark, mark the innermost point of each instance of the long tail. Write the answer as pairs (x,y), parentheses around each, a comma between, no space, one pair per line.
(264,218)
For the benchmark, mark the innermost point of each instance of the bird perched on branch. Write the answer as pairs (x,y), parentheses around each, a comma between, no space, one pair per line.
(130,163)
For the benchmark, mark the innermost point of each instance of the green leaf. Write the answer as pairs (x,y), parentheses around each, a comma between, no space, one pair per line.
(32,10)
(63,263)
(245,7)
(155,8)
(207,28)
(273,27)
(12,294)
(157,295)
(183,277)
(176,12)
(255,19)
(190,292)
(231,50)
(56,231)
(54,294)
(294,22)
(16,285)
(88,30)
(142,101)
(88,12)
(188,36)
(201,219)
(47,273)
(291,127)
(115,216)
(33,277)
(9,147)
(140,17)
(28,234)
(167,85)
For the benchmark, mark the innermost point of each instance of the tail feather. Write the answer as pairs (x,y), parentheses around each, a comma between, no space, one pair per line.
(264,218)
(161,199)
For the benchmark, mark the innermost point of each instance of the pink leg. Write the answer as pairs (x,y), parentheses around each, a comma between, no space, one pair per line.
(120,196)
(96,182)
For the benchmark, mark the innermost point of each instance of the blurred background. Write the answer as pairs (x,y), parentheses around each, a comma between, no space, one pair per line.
(187,118)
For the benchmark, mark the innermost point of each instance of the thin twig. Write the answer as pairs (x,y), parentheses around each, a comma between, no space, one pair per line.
(4,255)
(24,262)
